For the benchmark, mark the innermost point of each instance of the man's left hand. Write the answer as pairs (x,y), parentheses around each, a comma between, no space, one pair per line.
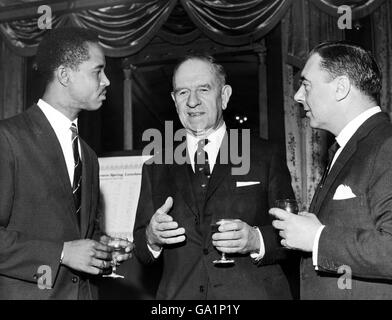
(297,231)
(236,237)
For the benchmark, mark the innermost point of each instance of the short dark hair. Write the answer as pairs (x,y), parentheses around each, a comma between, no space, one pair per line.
(63,46)
(349,59)
(216,67)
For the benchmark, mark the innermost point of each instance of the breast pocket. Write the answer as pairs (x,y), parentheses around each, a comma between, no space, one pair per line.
(255,188)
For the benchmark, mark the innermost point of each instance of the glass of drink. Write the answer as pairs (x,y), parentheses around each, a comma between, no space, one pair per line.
(214,227)
(118,249)
(290,205)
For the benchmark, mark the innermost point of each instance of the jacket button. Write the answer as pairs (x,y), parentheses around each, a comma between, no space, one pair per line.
(35,277)
(201,288)
(205,251)
(75,279)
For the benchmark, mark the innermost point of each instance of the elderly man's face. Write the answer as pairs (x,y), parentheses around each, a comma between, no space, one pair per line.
(317,94)
(199,98)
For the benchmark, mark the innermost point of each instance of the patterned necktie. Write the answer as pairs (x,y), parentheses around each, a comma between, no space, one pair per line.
(202,168)
(77,180)
(331,153)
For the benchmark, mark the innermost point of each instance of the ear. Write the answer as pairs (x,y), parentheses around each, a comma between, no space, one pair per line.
(343,88)
(226,94)
(173,96)
(62,75)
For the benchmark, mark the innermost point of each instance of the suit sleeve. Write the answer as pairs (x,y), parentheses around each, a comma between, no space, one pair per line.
(279,187)
(144,213)
(368,252)
(19,254)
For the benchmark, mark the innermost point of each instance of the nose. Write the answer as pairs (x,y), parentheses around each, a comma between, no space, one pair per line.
(193,100)
(104,80)
(299,96)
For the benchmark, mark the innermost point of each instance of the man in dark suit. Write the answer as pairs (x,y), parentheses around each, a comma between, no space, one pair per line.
(197,193)
(347,242)
(49,178)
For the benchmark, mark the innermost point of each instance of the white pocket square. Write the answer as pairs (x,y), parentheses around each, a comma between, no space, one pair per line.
(246,183)
(343,192)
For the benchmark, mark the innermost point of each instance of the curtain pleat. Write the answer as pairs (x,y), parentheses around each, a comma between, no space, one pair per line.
(126,29)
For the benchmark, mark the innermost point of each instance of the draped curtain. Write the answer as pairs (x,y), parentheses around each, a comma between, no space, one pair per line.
(382,26)
(126,29)
(12,69)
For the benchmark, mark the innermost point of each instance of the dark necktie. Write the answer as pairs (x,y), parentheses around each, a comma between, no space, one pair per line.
(202,168)
(77,180)
(331,153)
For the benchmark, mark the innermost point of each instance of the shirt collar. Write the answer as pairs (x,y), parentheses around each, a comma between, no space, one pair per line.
(350,129)
(57,120)
(214,140)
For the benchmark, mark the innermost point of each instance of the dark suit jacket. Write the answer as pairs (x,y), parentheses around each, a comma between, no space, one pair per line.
(37,212)
(188,271)
(358,231)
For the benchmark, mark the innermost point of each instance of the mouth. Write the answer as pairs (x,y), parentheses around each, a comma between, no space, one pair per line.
(103,94)
(195,114)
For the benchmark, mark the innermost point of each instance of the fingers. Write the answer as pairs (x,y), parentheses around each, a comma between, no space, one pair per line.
(173,240)
(278,224)
(100,264)
(166,206)
(100,246)
(173,233)
(102,255)
(280,214)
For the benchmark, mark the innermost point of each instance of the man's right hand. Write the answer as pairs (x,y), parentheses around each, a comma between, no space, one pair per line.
(87,256)
(163,229)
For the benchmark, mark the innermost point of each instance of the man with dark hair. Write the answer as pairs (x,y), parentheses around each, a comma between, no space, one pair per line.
(49,179)
(347,242)
(204,189)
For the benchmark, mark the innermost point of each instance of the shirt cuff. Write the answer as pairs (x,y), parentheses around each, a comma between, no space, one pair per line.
(315,246)
(154,253)
(258,256)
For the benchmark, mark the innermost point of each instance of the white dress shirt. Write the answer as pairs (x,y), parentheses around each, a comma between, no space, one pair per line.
(212,148)
(342,139)
(62,127)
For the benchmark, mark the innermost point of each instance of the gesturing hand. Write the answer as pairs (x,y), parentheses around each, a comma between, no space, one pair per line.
(162,229)
(87,255)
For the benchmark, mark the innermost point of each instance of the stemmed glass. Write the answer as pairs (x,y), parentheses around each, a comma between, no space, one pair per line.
(214,227)
(115,243)
(290,205)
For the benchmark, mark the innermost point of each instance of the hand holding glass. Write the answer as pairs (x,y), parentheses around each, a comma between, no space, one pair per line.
(118,249)
(214,227)
(290,205)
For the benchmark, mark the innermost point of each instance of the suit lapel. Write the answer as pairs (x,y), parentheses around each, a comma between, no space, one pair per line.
(323,194)
(51,151)
(181,174)
(86,190)
(221,170)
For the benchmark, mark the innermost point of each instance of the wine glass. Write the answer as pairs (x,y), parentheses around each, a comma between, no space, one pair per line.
(290,205)
(214,227)
(118,249)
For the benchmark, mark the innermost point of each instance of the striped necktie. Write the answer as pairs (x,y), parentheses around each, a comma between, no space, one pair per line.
(77,180)
(202,167)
